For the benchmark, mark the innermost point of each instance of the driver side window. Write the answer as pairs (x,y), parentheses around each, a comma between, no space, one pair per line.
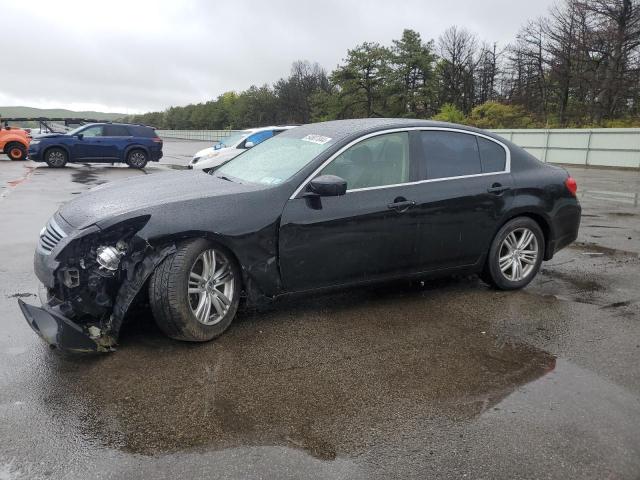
(95,131)
(374,162)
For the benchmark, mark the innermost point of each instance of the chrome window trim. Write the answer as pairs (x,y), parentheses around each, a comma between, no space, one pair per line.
(506,170)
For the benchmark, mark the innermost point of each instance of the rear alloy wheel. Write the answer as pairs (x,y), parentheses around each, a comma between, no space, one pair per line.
(16,151)
(516,254)
(55,157)
(194,293)
(137,159)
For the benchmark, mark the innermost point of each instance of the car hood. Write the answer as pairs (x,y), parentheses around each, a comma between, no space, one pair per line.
(49,135)
(141,195)
(218,152)
(218,160)
(206,151)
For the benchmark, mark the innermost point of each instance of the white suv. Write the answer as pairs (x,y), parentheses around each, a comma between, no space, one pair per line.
(232,146)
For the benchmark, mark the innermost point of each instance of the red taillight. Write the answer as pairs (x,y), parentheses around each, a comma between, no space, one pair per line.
(571,185)
(157,139)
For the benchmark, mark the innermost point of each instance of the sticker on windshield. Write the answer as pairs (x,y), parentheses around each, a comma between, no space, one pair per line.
(319,139)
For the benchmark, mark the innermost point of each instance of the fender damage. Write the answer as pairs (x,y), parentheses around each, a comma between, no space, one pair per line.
(85,309)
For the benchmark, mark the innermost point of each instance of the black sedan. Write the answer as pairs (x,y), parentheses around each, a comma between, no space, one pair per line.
(321,206)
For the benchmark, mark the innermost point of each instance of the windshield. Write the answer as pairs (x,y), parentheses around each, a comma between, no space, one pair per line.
(75,131)
(232,139)
(272,162)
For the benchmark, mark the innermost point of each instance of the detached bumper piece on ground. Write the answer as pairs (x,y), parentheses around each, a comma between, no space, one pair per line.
(60,332)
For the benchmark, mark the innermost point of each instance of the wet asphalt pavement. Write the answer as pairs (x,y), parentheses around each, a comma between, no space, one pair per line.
(449,379)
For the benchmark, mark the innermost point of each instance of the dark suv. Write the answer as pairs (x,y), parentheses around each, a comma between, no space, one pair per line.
(99,142)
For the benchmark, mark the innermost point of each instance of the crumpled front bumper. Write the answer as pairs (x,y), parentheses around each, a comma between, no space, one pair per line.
(58,331)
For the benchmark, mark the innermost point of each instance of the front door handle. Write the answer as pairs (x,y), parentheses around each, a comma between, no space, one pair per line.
(401,205)
(498,188)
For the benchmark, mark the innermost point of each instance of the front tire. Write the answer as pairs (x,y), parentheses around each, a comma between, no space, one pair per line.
(515,255)
(56,157)
(16,151)
(137,158)
(194,293)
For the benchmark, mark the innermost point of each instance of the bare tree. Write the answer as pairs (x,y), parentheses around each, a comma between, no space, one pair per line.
(487,73)
(615,40)
(457,50)
(563,47)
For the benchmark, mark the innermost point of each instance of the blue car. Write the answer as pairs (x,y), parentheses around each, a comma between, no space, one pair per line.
(134,145)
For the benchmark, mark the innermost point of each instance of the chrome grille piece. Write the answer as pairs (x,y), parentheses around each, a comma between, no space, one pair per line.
(50,236)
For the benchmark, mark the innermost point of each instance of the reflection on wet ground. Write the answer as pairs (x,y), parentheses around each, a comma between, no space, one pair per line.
(87,174)
(327,375)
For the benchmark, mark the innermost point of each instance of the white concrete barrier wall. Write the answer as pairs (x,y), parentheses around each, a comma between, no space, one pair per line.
(609,147)
(204,135)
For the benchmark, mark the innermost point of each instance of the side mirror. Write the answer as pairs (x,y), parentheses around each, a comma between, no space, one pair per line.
(328,186)
(249,145)
(80,136)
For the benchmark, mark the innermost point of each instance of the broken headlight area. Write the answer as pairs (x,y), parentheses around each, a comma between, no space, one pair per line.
(98,276)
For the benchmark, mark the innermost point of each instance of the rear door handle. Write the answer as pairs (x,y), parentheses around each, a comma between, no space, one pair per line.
(497,188)
(401,206)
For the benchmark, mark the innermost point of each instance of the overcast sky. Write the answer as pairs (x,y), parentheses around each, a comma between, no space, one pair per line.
(133,55)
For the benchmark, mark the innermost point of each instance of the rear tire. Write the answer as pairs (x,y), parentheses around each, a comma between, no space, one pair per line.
(16,151)
(515,255)
(56,157)
(137,158)
(194,296)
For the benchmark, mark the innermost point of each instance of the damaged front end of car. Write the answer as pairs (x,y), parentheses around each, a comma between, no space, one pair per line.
(91,278)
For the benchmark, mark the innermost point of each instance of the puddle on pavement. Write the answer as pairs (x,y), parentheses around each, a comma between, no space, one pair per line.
(622,214)
(330,375)
(86,175)
(595,248)
(592,274)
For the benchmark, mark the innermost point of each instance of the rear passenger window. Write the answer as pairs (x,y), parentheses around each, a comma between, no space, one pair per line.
(450,154)
(492,155)
(115,131)
(140,131)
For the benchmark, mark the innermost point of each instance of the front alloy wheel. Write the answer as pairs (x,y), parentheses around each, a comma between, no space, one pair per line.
(211,287)
(56,157)
(515,255)
(194,293)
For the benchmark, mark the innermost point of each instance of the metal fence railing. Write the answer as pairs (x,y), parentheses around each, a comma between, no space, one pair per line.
(612,147)
(205,135)
(609,147)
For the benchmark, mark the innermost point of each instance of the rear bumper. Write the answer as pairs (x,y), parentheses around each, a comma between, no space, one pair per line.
(58,331)
(566,226)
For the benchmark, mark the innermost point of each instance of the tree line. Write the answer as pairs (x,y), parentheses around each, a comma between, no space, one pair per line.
(577,66)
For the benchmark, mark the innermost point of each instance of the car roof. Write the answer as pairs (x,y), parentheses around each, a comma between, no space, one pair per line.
(117,123)
(272,127)
(341,129)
